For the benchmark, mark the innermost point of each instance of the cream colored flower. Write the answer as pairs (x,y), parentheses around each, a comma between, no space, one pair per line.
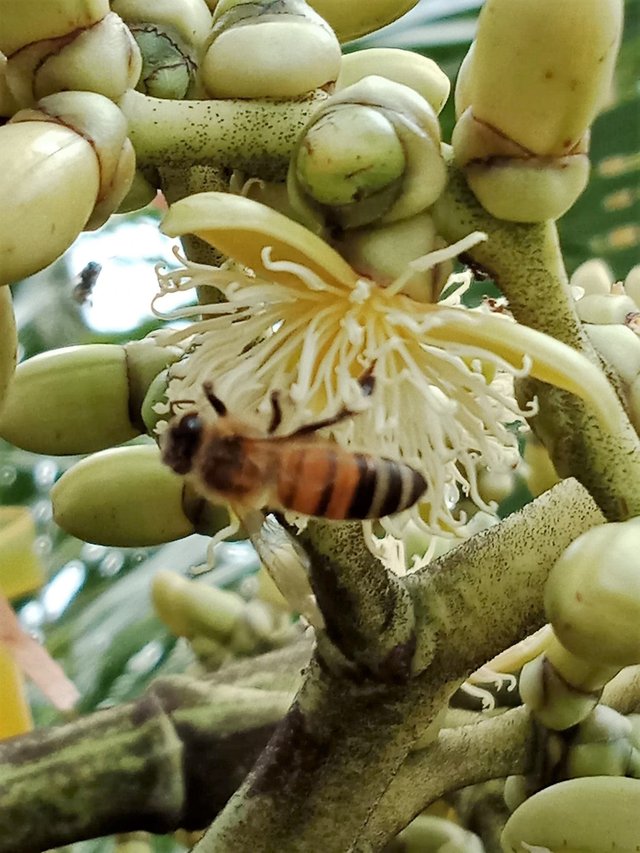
(298,320)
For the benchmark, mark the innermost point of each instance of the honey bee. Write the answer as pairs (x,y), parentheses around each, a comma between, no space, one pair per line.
(299,471)
(85,281)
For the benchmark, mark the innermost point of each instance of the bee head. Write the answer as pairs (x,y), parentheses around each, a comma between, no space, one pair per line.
(181,441)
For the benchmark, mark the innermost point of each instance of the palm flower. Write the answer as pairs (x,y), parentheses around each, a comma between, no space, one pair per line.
(297,319)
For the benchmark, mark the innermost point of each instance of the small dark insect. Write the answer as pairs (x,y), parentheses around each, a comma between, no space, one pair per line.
(85,281)
(299,471)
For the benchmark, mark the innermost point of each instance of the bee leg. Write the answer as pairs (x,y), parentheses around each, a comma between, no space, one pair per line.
(307,429)
(216,403)
(276,412)
(367,380)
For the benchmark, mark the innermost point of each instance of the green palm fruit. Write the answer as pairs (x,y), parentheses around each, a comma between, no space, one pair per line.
(81,399)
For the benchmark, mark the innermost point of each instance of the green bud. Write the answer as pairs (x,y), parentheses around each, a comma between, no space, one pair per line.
(602,745)
(125,497)
(335,171)
(370,154)
(193,608)
(592,596)
(555,703)
(81,399)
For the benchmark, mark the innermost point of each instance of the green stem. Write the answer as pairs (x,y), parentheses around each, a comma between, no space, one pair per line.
(493,748)
(256,136)
(327,765)
(367,611)
(526,262)
(171,759)
(344,739)
(490,588)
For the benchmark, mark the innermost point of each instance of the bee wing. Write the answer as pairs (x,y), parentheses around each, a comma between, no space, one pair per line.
(286,562)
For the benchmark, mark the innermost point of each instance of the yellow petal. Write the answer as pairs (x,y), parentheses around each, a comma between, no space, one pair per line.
(551,360)
(241,228)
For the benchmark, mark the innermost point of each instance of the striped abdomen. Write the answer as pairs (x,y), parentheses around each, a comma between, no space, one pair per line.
(326,481)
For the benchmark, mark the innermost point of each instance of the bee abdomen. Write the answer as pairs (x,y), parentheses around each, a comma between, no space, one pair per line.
(333,483)
(384,487)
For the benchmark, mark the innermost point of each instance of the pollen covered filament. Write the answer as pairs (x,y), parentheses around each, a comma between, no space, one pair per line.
(432,409)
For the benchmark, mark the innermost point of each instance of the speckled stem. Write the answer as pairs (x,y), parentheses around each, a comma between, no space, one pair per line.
(344,739)
(526,262)
(489,590)
(326,766)
(256,136)
(171,759)
(493,747)
(367,611)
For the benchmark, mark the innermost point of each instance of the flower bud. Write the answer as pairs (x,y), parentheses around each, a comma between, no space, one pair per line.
(386,252)
(588,815)
(266,50)
(395,171)
(51,174)
(592,596)
(537,78)
(192,608)
(353,19)
(593,277)
(25,23)
(103,58)
(606,309)
(420,73)
(81,399)
(602,745)
(429,832)
(632,284)
(170,35)
(98,120)
(126,497)
(538,470)
(557,703)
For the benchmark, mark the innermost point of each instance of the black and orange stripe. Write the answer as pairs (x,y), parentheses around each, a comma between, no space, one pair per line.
(326,481)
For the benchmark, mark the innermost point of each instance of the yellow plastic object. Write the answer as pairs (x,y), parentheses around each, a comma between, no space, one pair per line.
(15,714)
(21,570)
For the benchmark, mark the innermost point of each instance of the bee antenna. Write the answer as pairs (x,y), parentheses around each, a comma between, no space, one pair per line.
(216,403)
